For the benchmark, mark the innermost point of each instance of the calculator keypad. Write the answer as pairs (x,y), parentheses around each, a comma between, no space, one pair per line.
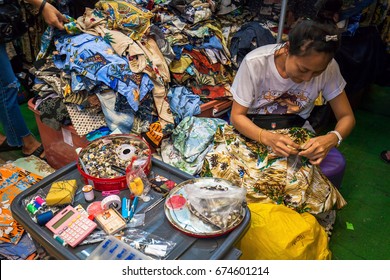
(77,230)
(71,226)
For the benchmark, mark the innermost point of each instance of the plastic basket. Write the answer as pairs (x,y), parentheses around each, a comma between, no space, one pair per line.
(116,183)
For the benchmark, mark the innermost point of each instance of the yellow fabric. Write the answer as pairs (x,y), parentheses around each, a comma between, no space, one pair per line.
(319,100)
(279,233)
(126,17)
(179,66)
(155,134)
(61,192)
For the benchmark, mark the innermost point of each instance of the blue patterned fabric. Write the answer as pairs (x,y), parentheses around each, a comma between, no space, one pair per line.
(22,250)
(90,56)
(190,143)
(183,103)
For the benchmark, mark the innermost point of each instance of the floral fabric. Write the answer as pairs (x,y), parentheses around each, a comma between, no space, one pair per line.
(92,57)
(209,147)
(191,140)
(291,181)
(13,180)
(126,17)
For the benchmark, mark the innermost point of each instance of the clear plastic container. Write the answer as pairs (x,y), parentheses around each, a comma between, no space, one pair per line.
(112,248)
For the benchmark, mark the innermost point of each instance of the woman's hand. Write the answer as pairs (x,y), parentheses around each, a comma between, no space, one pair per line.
(281,145)
(317,148)
(53,17)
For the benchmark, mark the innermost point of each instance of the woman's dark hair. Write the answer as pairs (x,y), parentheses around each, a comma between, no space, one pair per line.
(320,34)
(328,10)
(309,35)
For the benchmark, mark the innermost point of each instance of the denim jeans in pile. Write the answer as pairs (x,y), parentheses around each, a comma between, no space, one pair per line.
(114,119)
(10,116)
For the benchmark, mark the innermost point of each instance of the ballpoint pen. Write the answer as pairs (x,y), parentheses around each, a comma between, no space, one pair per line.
(119,169)
(133,207)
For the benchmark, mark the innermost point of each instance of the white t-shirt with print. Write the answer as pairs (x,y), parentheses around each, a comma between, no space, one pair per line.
(259,86)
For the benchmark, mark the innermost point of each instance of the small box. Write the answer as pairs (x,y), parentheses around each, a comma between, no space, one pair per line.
(110,221)
(61,192)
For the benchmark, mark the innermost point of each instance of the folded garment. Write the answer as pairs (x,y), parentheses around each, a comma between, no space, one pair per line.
(61,193)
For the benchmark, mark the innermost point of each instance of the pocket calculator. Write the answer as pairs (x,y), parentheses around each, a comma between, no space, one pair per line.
(70,225)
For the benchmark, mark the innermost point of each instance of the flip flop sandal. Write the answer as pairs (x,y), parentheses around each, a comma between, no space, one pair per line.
(385,155)
(5,147)
(38,152)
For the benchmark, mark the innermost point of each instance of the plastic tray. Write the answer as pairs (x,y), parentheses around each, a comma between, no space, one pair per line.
(187,247)
(181,217)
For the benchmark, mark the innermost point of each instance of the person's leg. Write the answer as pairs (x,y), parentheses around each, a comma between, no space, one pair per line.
(11,118)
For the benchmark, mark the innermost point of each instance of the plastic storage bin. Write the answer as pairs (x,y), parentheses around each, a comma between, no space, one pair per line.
(60,145)
(215,108)
(187,247)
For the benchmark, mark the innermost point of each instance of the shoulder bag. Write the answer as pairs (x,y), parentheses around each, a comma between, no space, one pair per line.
(276,121)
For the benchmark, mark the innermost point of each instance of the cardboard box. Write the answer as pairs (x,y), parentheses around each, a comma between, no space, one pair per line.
(60,145)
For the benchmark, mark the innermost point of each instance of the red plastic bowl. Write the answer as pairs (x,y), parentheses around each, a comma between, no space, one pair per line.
(117,183)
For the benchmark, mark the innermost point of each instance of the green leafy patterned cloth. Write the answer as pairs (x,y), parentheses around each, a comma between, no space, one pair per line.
(191,140)
(291,181)
(34,165)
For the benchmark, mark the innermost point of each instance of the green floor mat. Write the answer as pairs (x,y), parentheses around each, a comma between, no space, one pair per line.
(29,118)
(362,227)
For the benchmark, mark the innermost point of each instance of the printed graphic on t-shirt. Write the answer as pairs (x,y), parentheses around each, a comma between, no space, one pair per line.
(277,102)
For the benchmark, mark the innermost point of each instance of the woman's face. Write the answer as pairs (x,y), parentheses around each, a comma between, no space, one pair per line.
(303,68)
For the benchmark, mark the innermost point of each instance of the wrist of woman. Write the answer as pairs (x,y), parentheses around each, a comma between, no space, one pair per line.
(334,139)
(41,7)
(261,136)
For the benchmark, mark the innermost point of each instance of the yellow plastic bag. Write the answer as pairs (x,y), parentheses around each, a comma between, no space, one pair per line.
(280,233)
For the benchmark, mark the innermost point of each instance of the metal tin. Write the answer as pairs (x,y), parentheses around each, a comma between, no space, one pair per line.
(179,215)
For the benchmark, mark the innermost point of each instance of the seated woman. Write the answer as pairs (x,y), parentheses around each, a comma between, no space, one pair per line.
(286,80)
(270,149)
(274,92)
